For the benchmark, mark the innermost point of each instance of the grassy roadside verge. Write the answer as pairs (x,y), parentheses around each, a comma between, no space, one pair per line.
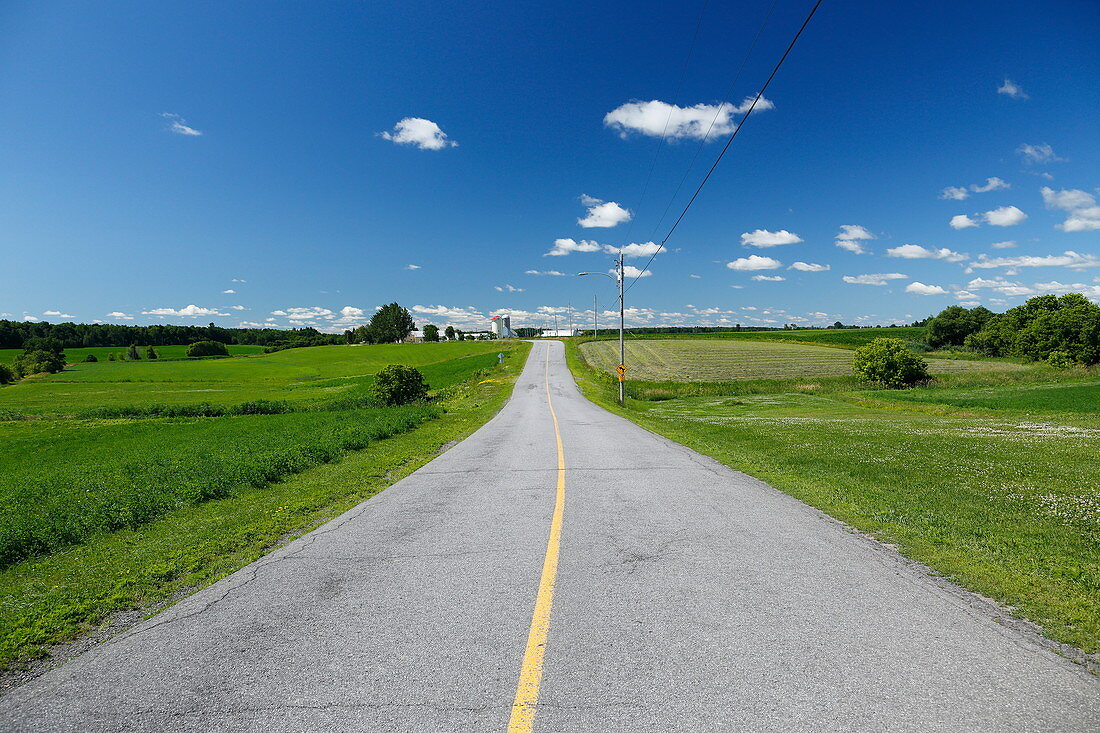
(1002,502)
(54,599)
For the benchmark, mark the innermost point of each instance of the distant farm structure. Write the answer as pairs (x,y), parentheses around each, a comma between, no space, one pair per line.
(502,327)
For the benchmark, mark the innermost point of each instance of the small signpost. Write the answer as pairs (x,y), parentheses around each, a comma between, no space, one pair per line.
(621,369)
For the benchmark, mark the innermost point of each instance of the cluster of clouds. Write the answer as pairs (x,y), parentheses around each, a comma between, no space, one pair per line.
(1003,216)
(1082,213)
(961,193)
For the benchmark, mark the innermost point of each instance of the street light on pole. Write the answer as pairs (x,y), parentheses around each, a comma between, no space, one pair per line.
(618,278)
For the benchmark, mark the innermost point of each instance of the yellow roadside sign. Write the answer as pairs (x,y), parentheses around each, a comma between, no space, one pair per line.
(621,369)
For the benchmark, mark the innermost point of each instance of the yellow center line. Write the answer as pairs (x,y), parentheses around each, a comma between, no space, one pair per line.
(530,674)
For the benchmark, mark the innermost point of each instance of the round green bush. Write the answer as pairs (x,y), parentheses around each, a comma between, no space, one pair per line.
(91,358)
(398,384)
(888,362)
(207,348)
(1060,358)
(7,376)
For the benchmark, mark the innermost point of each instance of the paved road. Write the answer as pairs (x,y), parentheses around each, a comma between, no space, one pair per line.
(688,597)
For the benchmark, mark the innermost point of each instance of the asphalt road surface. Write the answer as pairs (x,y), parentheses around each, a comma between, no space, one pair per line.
(635,586)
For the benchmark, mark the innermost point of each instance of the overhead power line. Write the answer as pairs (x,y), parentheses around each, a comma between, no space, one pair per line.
(736,130)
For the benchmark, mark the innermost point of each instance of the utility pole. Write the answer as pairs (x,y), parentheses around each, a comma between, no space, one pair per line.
(595,319)
(619,279)
(622,345)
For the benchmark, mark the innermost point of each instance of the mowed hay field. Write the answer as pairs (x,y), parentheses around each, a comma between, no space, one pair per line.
(126,482)
(720,360)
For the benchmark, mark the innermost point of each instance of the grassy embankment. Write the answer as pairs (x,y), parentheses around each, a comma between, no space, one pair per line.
(986,477)
(102,515)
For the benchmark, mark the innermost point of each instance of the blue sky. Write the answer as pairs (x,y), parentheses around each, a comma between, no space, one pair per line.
(155,156)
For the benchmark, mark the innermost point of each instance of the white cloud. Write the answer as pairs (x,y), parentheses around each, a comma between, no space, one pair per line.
(1011,89)
(877,279)
(420,132)
(920,288)
(229,292)
(1040,154)
(917,252)
(29,319)
(695,277)
(1069,258)
(769,278)
(1004,245)
(754,262)
(566,245)
(764,238)
(959,193)
(253,324)
(120,315)
(57,314)
(188,310)
(657,119)
(238,307)
(602,214)
(808,267)
(632,271)
(955,193)
(178,125)
(1057,288)
(1000,285)
(412,267)
(553,273)
(1004,216)
(508,288)
(1083,213)
(237,280)
(849,238)
(644,249)
(991,184)
(962,221)
(350,311)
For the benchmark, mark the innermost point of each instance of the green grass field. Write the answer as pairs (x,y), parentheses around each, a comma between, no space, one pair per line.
(1003,500)
(98,515)
(728,359)
(308,375)
(74,356)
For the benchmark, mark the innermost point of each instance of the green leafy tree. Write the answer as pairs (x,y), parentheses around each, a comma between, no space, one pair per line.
(38,361)
(431,333)
(1069,324)
(151,353)
(887,362)
(449,332)
(390,324)
(91,358)
(458,334)
(207,348)
(954,324)
(132,353)
(398,384)
(7,376)
(111,356)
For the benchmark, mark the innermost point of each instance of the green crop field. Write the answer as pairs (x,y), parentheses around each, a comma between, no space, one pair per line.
(717,360)
(73,356)
(1002,499)
(102,475)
